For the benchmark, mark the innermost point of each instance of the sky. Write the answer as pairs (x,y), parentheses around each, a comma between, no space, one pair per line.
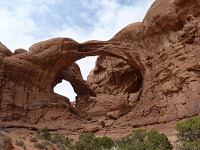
(25,22)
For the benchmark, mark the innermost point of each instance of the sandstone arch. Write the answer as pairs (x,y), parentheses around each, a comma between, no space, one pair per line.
(162,51)
(46,63)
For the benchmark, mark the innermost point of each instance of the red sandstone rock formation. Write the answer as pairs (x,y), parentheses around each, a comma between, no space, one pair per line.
(147,73)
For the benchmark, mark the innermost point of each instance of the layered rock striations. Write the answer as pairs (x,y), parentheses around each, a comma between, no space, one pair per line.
(148,73)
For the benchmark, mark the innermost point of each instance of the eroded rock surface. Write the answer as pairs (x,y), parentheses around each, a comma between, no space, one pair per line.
(147,73)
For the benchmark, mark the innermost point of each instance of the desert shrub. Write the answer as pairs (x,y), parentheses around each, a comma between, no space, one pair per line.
(46,134)
(2,144)
(61,146)
(189,134)
(102,142)
(5,141)
(2,133)
(67,142)
(141,139)
(61,139)
(19,143)
(46,143)
(125,143)
(157,141)
(139,135)
(40,146)
(194,145)
(57,138)
(84,141)
(88,141)
(6,130)
(33,140)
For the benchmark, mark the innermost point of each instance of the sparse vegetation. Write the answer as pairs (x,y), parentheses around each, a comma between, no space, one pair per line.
(2,133)
(19,143)
(61,139)
(88,141)
(141,139)
(2,144)
(61,146)
(5,141)
(4,129)
(189,134)
(33,140)
(46,134)
(46,143)
(40,146)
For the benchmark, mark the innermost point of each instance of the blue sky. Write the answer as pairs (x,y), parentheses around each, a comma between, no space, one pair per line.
(25,22)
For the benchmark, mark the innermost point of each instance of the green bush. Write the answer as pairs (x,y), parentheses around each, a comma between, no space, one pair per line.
(139,135)
(88,141)
(194,145)
(61,146)
(46,143)
(102,142)
(61,139)
(40,146)
(158,141)
(19,143)
(33,140)
(84,142)
(125,143)
(141,139)
(189,134)
(58,138)
(46,134)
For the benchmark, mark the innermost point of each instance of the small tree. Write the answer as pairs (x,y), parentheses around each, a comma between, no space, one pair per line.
(158,141)
(139,135)
(141,139)
(102,142)
(88,141)
(84,141)
(46,135)
(189,133)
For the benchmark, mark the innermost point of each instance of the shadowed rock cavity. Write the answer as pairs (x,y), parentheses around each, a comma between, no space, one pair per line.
(116,85)
(148,73)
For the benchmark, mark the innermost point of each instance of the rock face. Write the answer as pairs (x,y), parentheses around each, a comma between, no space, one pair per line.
(147,73)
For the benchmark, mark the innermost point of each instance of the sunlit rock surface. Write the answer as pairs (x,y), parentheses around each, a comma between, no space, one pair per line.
(148,73)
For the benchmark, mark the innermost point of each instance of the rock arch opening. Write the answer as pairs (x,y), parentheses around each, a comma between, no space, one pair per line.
(86,65)
(65,89)
(73,78)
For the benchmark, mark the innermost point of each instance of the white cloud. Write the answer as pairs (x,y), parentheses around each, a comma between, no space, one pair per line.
(15,28)
(24,22)
(106,18)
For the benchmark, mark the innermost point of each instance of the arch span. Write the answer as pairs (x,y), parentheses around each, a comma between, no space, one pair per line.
(32,75)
